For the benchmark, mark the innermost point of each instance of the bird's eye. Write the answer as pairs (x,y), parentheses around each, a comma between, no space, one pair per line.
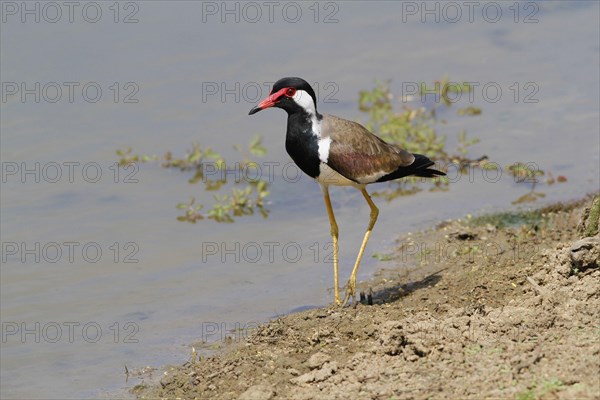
(290,92)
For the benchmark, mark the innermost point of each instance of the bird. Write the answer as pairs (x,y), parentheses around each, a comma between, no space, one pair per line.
(339,152)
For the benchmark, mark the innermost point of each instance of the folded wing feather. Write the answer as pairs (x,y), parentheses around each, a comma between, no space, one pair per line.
(359,155)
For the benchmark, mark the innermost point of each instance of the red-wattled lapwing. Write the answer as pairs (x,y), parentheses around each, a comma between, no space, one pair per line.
(335,151)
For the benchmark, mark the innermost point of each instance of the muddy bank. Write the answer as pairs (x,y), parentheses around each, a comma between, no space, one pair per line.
(502,306)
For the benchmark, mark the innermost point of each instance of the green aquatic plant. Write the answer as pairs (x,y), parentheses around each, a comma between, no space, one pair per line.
(526,173)
(246,197)
(529,174)
(505,219)
(414,129)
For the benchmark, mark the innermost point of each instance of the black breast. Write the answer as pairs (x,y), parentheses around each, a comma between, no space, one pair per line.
(302,145)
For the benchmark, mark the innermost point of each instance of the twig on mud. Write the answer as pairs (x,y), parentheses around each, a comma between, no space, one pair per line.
(537,287)
(526,364)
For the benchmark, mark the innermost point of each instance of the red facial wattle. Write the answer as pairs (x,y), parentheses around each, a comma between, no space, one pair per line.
(273,98)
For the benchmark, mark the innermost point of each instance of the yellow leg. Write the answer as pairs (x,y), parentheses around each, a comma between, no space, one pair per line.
(351,286)
(334,236)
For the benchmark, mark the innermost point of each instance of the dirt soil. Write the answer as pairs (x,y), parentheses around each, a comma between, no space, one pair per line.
(501,306)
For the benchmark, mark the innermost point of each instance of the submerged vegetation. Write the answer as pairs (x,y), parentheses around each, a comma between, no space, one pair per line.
(412,128)
(209,167)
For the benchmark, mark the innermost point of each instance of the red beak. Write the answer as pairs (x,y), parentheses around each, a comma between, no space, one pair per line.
(268,102)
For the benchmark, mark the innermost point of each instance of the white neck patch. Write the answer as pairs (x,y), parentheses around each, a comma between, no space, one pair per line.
(324,144)
(304,100)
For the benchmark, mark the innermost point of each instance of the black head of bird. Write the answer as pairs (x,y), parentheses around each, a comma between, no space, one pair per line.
(290,94)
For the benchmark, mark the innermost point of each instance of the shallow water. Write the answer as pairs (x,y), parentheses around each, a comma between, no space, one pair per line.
(155,287)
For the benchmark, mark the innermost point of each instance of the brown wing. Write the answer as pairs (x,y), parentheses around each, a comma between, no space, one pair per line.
(358,154)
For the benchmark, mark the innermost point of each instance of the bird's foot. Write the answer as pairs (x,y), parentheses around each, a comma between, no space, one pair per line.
(350,292)
(338,301)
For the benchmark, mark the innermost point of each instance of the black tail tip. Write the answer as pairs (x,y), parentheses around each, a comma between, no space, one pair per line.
(430,173)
